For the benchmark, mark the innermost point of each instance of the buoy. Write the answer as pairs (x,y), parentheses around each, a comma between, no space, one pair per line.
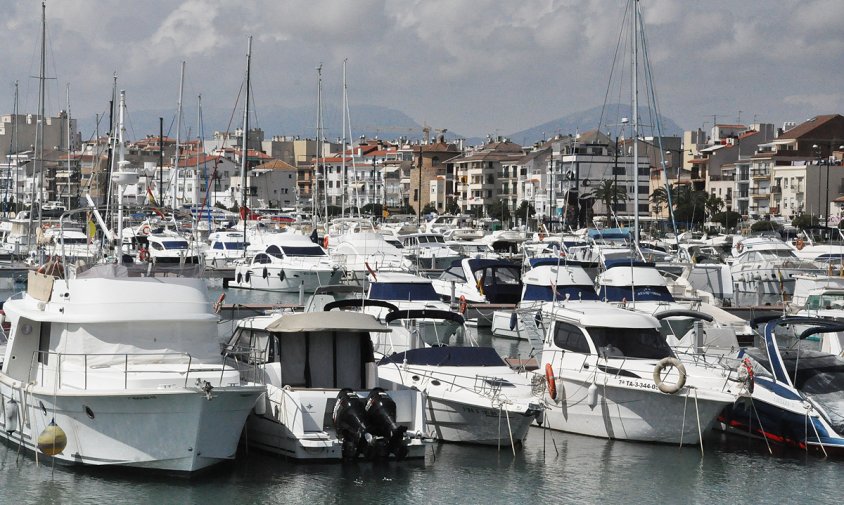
(592,396)
(52,440)
(800,244)
(11,416)
(681,371)
(550,379)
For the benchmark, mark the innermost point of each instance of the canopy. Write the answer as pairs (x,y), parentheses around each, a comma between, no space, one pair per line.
(326,321)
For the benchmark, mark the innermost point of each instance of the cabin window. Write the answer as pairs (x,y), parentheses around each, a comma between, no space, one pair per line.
(569,337)
(44,343)
(630,342)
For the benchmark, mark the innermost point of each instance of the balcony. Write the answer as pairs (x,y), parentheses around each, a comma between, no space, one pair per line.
(776,189)
(760,174)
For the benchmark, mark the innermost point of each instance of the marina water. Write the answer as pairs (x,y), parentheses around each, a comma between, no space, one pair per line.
(552,467)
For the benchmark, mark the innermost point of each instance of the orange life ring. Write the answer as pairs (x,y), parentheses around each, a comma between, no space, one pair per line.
(463,304)
(146,230)
(800,244)
(143,255)
(325,242)
(740,247)
(549,378)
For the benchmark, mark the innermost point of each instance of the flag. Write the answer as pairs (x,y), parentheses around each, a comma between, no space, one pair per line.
(151,201)
(91,229)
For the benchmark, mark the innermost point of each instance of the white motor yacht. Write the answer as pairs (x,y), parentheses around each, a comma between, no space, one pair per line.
(764,269)
(322,399)
(359,253)
(471,394)
(225,249)
(105,369)
(480,281)
(290,264)
(608,372)
(428,251)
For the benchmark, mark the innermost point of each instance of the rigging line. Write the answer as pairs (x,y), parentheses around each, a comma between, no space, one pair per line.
(612,67)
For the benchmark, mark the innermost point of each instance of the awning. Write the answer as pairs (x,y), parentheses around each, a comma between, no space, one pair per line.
(326,321)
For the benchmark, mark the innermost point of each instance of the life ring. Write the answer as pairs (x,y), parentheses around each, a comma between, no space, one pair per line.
(218,305)
(463,305)
(146,230)
(662,365)
(740,247)
(325,242)
(143,255)
(800,244)
(549,378)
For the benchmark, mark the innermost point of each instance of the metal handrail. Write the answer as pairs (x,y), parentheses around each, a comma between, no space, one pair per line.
(59,360)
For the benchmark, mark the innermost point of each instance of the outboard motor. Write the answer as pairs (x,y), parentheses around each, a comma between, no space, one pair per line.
(381,421)
(349,423)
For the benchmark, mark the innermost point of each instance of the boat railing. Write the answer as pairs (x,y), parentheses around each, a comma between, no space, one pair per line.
(55,366)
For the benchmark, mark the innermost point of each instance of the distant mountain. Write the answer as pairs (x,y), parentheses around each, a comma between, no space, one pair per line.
(589,119)
(367,120)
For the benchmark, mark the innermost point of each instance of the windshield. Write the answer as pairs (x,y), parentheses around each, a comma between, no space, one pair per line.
(314,250)
(174,244)
(629,342)
(409,291)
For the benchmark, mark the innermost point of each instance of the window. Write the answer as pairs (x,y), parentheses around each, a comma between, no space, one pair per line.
(619,171)
(643,207)
(630,342)
(644,171)
(569,337)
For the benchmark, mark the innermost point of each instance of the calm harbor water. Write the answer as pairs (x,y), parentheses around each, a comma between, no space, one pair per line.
(552,467)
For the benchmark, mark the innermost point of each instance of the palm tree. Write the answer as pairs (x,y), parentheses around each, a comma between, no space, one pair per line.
(713,205)
(608,193)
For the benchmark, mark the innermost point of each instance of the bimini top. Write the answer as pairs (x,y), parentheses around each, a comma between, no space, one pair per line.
(447,356)
(479,264)
(353,322)
(610,233)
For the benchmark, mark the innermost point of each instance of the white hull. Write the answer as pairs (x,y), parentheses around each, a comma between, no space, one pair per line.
(454,421)
(298,423)
(631,413)
(291,281)
(177,430)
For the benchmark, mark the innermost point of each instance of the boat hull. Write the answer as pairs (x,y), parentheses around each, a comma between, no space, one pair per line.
(636,414)
(180,430)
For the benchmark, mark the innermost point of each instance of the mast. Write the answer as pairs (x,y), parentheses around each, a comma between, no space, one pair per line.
(244,150)
(321,145)
(635,92)
(315,181)
(69,204)
(39,125)
(343,150)
(174,176)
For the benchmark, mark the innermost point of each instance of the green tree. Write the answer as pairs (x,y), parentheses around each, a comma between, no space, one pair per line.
(713,205)
(609,193)
(765,225)
(451,207)
(498,209)
(728,219)
(805,221)
(428,208)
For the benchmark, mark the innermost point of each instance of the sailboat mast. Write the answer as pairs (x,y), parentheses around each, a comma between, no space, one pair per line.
(244,150)
(315,181)
(39,128)
(174,176)
(635,92)
(69,204)
(343,151)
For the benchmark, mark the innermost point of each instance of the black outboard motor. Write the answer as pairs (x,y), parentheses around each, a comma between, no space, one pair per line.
(349,423)
(381,421)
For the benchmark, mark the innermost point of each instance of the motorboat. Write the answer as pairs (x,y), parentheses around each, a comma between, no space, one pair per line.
(290,264)
(551,279)
(103,369)
(404,291)
(169,247)
(359,253)
(480,281)
(471,394)
(323,402)
(764,269)
(639,286)
(798,386)
(428,251)
(608,372)
(473,249)
(225,249)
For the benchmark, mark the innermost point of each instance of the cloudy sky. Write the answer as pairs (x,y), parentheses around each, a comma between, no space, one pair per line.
(473,66)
